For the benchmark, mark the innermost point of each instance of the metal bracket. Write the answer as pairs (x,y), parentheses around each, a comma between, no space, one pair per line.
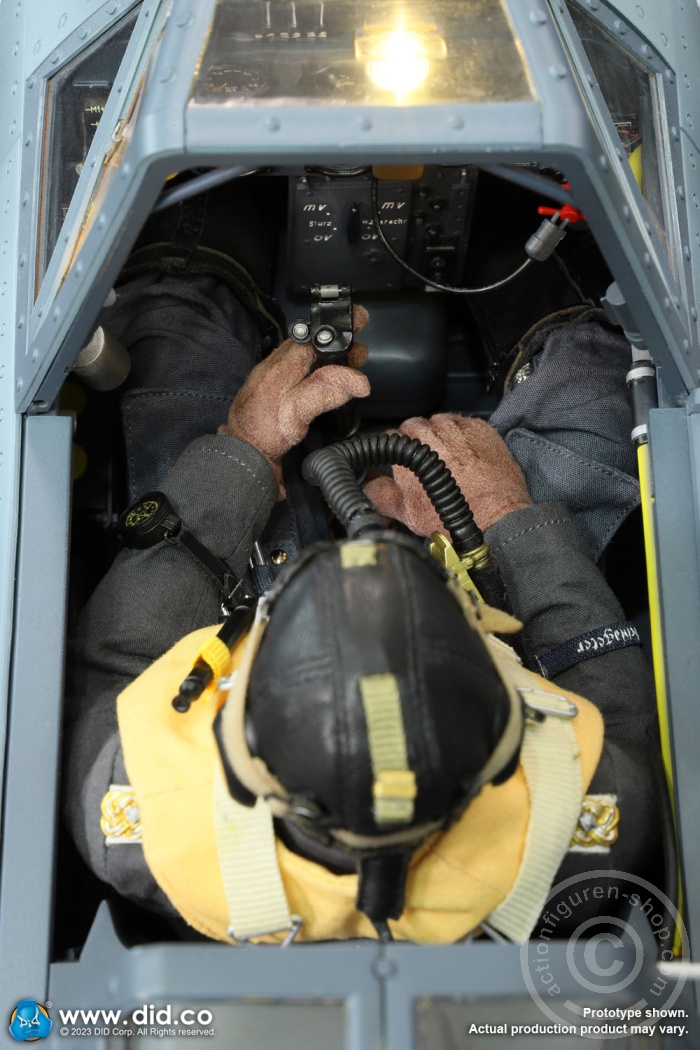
(330,328)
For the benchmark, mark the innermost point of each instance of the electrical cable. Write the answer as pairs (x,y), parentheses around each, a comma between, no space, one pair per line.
(374,198)
(200,184)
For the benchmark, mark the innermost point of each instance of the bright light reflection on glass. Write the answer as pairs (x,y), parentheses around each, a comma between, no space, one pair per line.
(398,60)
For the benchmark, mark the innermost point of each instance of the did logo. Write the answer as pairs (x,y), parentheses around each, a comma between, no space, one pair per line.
(30,1021)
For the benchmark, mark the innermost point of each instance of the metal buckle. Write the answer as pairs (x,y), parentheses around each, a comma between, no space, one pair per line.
(537,710)
(241,942)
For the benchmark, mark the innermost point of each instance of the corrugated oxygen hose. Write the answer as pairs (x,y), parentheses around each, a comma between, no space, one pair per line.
(334,468)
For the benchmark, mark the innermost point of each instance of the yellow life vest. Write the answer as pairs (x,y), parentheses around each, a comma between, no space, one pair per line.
(457,879)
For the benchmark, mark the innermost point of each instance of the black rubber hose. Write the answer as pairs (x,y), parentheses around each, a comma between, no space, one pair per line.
(353,508)
(334,468)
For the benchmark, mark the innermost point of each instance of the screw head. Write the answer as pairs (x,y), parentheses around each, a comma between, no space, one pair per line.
(278,556)
(324,336)
(299,331)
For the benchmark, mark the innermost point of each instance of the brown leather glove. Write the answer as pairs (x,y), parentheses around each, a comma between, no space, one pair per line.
(477,455)
(283,395)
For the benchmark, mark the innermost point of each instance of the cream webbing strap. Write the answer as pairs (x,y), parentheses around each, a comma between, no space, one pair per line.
(245,840)
(552,767)
(394,786)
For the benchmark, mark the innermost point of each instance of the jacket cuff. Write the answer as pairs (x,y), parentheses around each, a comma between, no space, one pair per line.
(224,490)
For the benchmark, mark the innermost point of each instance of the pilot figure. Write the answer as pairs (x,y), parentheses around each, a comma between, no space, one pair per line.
(378,761)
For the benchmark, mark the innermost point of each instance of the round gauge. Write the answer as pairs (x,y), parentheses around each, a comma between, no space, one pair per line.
(233,82)
(329,81)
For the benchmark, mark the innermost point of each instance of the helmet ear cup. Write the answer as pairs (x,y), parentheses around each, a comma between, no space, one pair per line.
(236,789)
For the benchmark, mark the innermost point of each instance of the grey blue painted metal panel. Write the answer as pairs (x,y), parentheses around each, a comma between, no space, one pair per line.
(112,976)
(31,774)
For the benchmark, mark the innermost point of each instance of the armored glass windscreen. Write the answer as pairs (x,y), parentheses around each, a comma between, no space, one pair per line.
(76,98)
(400,52)
(629,90)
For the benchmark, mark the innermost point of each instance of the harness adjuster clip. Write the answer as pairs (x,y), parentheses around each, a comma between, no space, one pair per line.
(297,923)
(537,710)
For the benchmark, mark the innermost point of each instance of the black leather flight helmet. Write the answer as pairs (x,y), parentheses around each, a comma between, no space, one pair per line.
(374,708)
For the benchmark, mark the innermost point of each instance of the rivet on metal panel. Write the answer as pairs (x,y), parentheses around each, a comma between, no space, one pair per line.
(57,313)
(15,49)
(593,4)
(684,42)
(78,269)
(384,968)
(364,123)
(681,193)
(647,226)
(646,258)
(55,58)
(111,8)
(691,158)
(3,329)
(455,121)
(686,252)
(13,127)
(695,200)
(667,304)
(32,80)
(686,80)
(84,31)
(689,120)
(19,384)
(620,26)
(538,17)
(664,40)
(3,287)
(101,222)
(626,212)
(676,302)
(168,76)
(640,11)
(686,346)
(28,140)
(62,20)
(603,163)
(14,88)
(25,199)
(184,22)
(271,124)
(8,167)
(693,313)
(37,47)
(17,10)
(35,355)
(646,50)
(557,71)
(675,134)
(4,247)
(22,261)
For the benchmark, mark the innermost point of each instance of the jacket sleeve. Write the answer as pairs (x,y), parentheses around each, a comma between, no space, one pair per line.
(224,490)
(559,593)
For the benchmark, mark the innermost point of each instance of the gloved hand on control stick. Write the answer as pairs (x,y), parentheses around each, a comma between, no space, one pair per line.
(285,393)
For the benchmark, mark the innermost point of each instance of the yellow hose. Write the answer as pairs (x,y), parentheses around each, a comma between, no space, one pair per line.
(657,645)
